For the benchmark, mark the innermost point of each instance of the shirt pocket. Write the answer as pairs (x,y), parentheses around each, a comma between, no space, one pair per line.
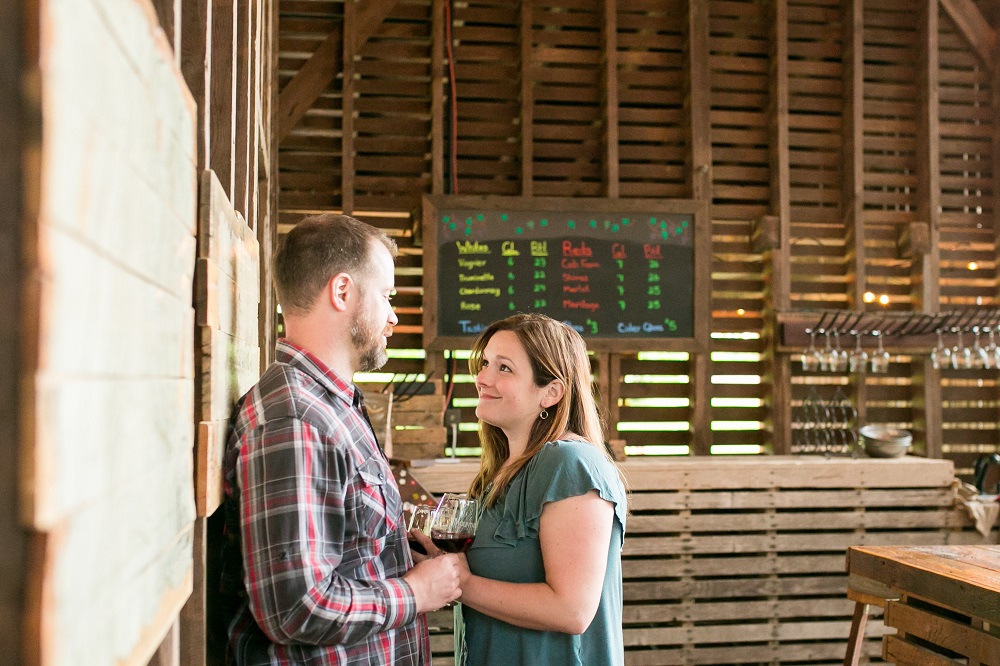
(373,504)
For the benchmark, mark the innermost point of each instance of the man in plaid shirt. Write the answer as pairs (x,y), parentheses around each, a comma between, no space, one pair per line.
(318,551)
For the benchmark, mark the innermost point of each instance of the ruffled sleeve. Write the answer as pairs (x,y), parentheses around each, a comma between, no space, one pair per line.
(566,469)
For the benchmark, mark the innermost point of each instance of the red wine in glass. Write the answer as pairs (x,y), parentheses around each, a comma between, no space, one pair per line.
(452,542)
(416,546)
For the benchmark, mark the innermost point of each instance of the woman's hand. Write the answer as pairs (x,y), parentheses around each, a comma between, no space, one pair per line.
(429,547)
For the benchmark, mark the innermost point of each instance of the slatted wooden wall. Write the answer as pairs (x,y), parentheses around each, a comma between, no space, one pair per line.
(815,113)
(743,561)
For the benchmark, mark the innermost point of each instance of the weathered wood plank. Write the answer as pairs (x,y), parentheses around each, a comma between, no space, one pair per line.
(109,376)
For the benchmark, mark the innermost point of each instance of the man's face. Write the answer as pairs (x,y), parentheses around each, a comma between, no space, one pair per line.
(374,318)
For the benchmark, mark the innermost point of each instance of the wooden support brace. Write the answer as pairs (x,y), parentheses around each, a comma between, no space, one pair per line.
(914,240)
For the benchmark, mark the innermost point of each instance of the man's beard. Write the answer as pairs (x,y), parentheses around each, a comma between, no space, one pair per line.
(367,340)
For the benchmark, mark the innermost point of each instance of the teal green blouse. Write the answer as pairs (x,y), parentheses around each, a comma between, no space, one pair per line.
(507,548)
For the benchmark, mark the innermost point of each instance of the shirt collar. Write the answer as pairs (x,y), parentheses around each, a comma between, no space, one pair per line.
(306,361)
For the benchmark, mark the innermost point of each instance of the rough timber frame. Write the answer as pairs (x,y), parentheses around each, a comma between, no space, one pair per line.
(561,98)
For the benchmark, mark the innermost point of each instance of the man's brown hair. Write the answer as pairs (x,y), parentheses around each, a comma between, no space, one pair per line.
(316,249)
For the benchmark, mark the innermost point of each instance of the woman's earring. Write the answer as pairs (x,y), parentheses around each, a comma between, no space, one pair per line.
(544,414)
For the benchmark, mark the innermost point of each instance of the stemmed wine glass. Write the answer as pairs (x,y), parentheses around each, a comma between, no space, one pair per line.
(940,355)
(859,357)
(980,357)
(880,357)
(810,357)
(420,520)
(961,356)
(839,360)
(994,350)
(453,525)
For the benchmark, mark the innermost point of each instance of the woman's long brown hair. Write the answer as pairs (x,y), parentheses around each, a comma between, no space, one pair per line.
(556,351)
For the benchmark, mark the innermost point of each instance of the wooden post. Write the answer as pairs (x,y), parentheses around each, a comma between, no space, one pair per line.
(527,102)
(243,109)
(223,93)
(609,93)
(196,49)
(853,174)
(267,233)
(347,105)
(700,181)
(778,256)
(926,273)
(437,97)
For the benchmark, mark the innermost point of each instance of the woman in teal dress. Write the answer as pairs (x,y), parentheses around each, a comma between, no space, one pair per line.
(544,580)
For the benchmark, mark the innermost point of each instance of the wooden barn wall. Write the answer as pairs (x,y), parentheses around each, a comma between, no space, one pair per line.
(17,144)
(140,207)
(840,123)
(107,381)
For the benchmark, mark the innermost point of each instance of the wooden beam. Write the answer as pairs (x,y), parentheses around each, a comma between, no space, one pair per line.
(437,98)
(350,25)
(974,28)
(926,272)
(244,109)
(223,93)
(267,232)
(852,174)
(927,269)
(778,259)
(321,68)
(699,175)
(609,93)
(196,47)
(527,101)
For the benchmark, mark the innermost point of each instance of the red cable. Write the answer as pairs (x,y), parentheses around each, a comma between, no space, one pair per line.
(453,98)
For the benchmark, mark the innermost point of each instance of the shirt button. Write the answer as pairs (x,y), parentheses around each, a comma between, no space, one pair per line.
(381,476)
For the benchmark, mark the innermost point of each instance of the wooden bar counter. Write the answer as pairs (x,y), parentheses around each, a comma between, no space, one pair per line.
(741,560)
(943,601)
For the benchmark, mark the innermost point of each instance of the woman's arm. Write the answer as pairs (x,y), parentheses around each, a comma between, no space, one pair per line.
(574,535)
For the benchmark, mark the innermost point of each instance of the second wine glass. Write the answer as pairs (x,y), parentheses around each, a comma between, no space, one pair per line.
(453,525)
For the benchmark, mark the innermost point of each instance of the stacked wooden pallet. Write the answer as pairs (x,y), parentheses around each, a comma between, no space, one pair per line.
(743,561)
(409,425)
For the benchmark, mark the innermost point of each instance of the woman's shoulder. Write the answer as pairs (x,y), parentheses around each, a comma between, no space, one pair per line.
(570,449)
(578,454)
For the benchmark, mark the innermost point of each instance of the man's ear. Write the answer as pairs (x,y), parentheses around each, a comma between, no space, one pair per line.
(553,393)
(338,290)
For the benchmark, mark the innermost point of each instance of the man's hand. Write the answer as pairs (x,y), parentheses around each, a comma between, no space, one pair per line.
(434,582)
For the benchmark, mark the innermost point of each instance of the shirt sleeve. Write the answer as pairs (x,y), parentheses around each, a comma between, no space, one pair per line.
(294,487)
(568,469)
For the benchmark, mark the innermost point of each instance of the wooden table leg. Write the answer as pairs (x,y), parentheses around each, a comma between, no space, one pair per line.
(856,641)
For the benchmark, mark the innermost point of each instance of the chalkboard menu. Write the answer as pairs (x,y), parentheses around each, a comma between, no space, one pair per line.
(610,271)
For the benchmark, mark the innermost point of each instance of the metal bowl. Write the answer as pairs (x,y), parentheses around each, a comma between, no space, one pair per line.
(885,441)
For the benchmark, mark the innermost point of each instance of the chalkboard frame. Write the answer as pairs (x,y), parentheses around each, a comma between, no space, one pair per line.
(701,294)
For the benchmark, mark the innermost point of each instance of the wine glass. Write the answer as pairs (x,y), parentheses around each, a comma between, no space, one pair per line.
(810,357)
(940,355)
(880,357)
(453,525)
(980,357)
(420,520)
(961,356)
(859,357)
(840,360)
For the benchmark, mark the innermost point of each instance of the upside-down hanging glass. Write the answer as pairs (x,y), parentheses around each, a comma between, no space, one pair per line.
(880,357)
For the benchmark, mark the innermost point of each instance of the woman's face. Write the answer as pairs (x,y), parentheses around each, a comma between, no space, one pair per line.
(508,397)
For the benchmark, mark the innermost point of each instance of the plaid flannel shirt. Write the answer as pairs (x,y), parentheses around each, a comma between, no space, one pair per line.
(322,544)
